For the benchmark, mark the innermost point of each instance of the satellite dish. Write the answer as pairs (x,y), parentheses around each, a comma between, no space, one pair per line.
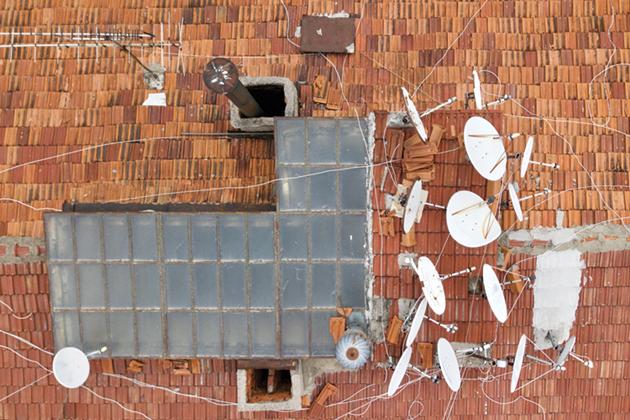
(413,206)
(470,221)
(431,284)
(71,367)
(399,372)
(494,293)
(527,158)
(413,115)
(417,322)
(568,347)
(448,364)
(477,90)
(486,152)
(515,202)
(518,362)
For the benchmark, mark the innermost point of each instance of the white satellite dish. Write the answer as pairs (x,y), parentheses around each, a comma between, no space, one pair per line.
(470,221)
(413,115)
(527,156)
(516,202)
(494,293)
(518,362)
(399,372)
(477,90)
(415,206)
(417,322)
(431,284)
(71,367)
(485,148)
(448,364)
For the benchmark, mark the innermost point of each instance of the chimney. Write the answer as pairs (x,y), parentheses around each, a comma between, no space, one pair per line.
(221,76)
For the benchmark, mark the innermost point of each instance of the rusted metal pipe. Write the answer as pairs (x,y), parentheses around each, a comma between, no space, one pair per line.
(221,76)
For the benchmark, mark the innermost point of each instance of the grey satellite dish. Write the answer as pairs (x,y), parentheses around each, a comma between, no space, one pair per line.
(415,206)
(431,284)
(494,293)
(413,115)
(518,362)
(477,90)
(527,156)
(71,367)
(470,220)
(568,347)
(449,364)
(399,372)
(516,202)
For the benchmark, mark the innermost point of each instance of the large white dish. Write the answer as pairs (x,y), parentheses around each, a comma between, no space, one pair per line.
(413,204)
(416,323)
(470,221)
(71,367)
(431,284)
(449,365)
(477,90)
(527,156)
(568,347)
(515,202)
(518,362)
(496,299)
(413,115)
(487,154)
(399,372)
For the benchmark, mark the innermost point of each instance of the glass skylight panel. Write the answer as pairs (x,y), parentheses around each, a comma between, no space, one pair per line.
(208,334)
(294,286)
(180,337)
(291,189)
(262,286)
(263,334)
(352,145)
(206,289)
(91,286)
(322,141)
(149,334)
(88,234)
(322,189)
(293,239)
(233,284)
(232,237)
(324,285)
(291,143)
(352,285)
(147,285)
(352,237)
(63,287)
(324,237)
(353,189)
(116,237)
(119,292)
(322,345)
(203,229)
(261,237)
(175,237)
(295,334)
(121,334)
(235,342)
(177,286)
(144,237)
(94,330)
(59,236)
(66,330)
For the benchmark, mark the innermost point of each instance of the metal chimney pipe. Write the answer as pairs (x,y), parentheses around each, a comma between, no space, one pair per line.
(221,76)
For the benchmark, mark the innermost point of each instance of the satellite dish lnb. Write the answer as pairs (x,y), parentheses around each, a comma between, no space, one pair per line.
(71,367)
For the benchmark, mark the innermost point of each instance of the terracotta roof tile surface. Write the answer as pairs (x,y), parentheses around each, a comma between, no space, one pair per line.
(58,106)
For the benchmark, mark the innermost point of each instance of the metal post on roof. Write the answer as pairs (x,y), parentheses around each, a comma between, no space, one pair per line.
(221,76)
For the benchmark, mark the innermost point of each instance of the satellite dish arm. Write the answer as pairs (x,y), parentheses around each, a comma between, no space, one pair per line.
(497,102)
(422,373)
(449,102)
(545,362)
(468,270)
(448,327)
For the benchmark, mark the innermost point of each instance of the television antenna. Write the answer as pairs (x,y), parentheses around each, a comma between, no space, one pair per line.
(476,95)
(470,220)
(485,149)
(432,282)
(415,205)
(418,316)
(516,202)
(415,117)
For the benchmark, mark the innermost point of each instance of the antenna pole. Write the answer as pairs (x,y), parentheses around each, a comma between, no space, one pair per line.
(468,270)
(500,101)
(433,205)
(449,328)
(551,165)
(544,192)
(449,102)
(545,362)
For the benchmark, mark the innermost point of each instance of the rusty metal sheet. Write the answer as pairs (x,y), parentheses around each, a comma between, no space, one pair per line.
(327,35)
